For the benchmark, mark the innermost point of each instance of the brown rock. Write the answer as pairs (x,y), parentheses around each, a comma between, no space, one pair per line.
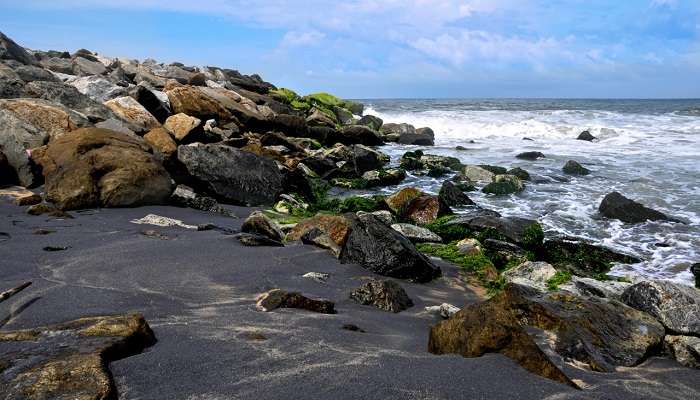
(425,209)
(192,101)
(161,141)
(180,125)
(130,110)
(97,167)
(384,294)
(399,199)
(70,360)
(336,227)
(278,298)
(19,196)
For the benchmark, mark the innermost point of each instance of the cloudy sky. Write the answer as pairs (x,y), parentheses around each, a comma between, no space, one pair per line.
(395,48)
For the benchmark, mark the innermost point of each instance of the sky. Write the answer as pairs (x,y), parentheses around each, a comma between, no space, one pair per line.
(395,48)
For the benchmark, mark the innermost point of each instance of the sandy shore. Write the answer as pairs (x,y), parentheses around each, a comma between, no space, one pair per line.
(197,290)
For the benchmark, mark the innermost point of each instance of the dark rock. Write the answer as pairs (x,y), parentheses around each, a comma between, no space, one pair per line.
(358,134)
(520,173)
(291,125)
(452,196)
(323,134)
(676,306)
(530,155)
(232,174)
(388,177)
(521,231)
(343,115)
(503,185)
(8,176)
(184,196)
(375,246)
(278,298)
(70,97)
(371,121)
(695,270)
(580,257)
(9,50)
(503,253)
(494,169)
(585,135)
(150,102)
(55,248)
(260,224)
(353,328)
(253,240)
(384,294)
(421,137)
(573,168)
(198,79)
(47,209)
(70,360)
(31,73)
(617,206)
(93,167)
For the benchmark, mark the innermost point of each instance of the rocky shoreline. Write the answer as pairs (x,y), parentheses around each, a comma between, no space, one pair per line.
(80,133)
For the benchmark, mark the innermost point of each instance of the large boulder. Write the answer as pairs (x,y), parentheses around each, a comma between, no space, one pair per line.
(278,298)
(617,206)
(9,50)
(377,247)
(359,134)
(476,173)
(160,140)
(599,333)
(92,167)
(354,160)
(452,196)
(337,227)
(83,66)
(98,88)
(586,135)
(685,349)
(192,100)
(530,155)
(29,123)
(384,294)
(131,111)
(425,209)
(157,103)
(180,125)
(71,98)
(533,274)
(676,306)
(581,257)
(521,231)
(399,200)
(11,85)
(8,176)
(371,121)
(421,136)
(504,184)
(232,174)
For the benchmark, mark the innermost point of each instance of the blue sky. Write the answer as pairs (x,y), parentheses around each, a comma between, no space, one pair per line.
(395,48)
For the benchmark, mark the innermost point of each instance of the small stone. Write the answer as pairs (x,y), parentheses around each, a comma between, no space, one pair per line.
(155,234)
(445,310)
(531,273)
(278,298)
(385,294)
(416,234)
(317,276)
(585,135)
(530,155)
(353,328)
(695,270)
(157,220)
(56,248)
(253,240)
(470,247)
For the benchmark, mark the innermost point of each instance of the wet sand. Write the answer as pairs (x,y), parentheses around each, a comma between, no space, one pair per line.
(197,291)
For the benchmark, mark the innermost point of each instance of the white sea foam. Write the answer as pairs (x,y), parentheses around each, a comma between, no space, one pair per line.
(651,157)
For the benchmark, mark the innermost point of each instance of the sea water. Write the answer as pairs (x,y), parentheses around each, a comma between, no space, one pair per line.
(648,150)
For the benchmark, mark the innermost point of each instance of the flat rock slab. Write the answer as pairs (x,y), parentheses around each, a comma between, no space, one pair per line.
(69,360)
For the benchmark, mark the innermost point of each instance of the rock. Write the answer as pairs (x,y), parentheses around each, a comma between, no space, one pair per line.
(530,155)
(30,73)
(371,121)
(452,196)
(445,310)
(260,224)
(383,215)
(503,253)
(290,125)
(469,246)
(397,129)
(70,97)
(254,240)
(352,160)
(232,174)
(180,125)
(184,196)
(521,231)
(317,237)
(520,173)
(93,167)
(378,248)
(342,115)
(70,360)
(573,168)
(195,102)
(8,176)
(352,328)
(9,50)
(684,349)
(388,177)
(11,85)
(29,123)
(585,135)
(133,112)
(358,134)
(316,276)
(98,88)
(48,209)
(384,294)
(399,200)
(477,174)
(592,287)
(318,118)
(597,332)
(504,184)
(157,103)
(580,257)
(421,137)
(425,209)
(337,227)
(19,196)
(531,273)
(617,206)
(58,65)
(676,306)
(161,141)
(278,298)
(84,67)
(158,220)
(695,270)
(416,234)
(198,79)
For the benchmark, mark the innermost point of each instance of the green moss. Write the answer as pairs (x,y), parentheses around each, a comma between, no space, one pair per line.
(300,105)
(348,204)
(284,95)
(326,100)
(533,237)
(559,278)
(450,252)
(448,232)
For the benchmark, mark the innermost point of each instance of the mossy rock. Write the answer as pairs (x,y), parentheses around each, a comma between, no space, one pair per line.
(520,173)
(284,95)
(496,170)
(500,188)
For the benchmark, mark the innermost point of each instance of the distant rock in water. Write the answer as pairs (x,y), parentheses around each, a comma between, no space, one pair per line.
(452,196)
(530,155)
(585,135)
(617,206)
(573,168)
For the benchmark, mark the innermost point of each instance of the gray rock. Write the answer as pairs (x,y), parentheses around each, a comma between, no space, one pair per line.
(573,168)
(531,273)
(358,134)
(421,137)
(84,67)
(70,97)
(377,247)
(617,206)
(371,121)
(676,306)
(31,73)
(445,310)
(59,65)
(232,174)
(260,224)
(592,287)
(477,174)
(9,50)
(685,349)
(416,234)
(384,294)
(253,240)
(98,88)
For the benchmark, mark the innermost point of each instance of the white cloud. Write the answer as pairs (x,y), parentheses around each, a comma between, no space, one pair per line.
(302,38)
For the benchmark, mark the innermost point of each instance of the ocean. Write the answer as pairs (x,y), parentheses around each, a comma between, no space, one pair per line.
(648,150)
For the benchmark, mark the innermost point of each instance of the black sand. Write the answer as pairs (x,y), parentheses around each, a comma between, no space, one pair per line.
(197,291)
